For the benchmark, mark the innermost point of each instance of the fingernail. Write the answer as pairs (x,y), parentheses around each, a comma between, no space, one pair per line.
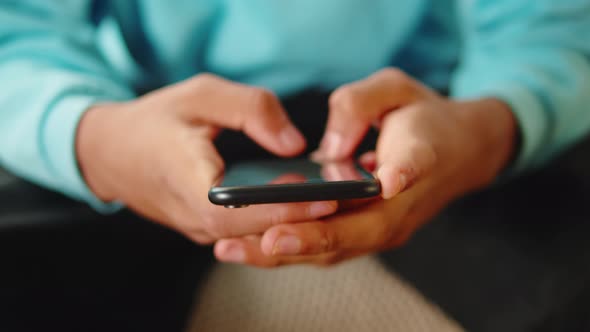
(319,209)
(287,245)
(291,138)
(402,182)
(331,145)
(391,185)
(234,254)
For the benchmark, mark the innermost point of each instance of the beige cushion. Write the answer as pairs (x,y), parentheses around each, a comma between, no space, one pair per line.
(360,295)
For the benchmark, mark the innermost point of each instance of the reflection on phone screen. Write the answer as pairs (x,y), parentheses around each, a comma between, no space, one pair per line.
(262,172)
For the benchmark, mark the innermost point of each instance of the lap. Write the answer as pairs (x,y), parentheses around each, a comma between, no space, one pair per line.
(360,295)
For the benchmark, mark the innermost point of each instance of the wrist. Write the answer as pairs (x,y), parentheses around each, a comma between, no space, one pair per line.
(491,122)
(95,130)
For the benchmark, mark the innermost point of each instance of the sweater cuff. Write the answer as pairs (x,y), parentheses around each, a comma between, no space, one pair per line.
(531,118)
(58,145)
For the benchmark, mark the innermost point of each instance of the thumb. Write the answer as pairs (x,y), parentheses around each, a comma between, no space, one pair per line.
(405,164)
(402,159)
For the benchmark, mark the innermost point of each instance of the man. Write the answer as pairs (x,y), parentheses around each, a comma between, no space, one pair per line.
(72,117)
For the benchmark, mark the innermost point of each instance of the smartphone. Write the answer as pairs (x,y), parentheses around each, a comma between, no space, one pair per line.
(292,180)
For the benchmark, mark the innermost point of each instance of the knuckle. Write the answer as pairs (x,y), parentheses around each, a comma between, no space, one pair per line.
(345,100)
(201,81)
(393,73)
(308,248)
(329,260)
(328,240)
(205,77)
(203,157)
(195,88)
(263,101)
(279,216)
(336,97)
(400,80)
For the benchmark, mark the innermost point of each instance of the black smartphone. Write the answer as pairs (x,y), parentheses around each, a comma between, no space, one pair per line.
(292,180)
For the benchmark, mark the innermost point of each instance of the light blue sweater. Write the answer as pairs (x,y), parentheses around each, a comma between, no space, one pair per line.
(58,57)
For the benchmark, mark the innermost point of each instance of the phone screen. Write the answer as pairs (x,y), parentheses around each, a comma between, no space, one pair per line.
(285,171)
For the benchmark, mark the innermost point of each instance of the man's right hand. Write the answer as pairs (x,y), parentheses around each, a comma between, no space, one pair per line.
(156,155)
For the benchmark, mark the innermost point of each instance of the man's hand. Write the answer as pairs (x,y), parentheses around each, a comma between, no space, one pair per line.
(156,155)
(430,151)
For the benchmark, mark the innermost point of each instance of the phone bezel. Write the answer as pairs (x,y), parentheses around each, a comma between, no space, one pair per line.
(244,195)
(236,196)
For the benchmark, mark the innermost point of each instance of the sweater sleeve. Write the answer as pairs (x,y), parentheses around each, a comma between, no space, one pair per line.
(50,73)
(534,55)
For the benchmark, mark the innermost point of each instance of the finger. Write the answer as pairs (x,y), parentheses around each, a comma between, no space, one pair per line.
(208,131)
(356,106)
(246,250)
(402,158)
(366,229)
(223,222)
(255,111)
